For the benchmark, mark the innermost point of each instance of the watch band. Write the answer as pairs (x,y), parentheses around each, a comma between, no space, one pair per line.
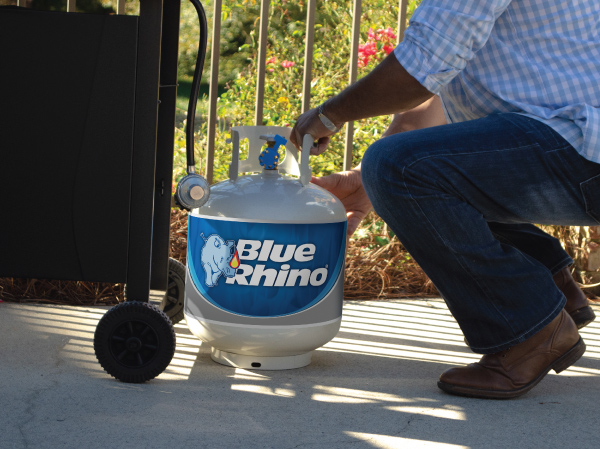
(326,122)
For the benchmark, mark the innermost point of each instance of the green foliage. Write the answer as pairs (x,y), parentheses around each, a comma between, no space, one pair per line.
(237,24)
(285,60)
(88,6)
(132,7)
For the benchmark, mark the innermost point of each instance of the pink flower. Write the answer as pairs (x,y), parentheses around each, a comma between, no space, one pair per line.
(380,41)
(362,62)
(271,60)
(368,49)
(286,64)
(390,33)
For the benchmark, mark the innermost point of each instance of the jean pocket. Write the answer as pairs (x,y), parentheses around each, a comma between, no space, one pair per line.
(591,195)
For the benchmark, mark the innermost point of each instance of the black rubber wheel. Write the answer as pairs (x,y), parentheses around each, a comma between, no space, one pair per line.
(172,303)
(134,342)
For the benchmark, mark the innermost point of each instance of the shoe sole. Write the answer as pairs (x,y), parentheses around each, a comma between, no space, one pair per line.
(583,316)
(560,364)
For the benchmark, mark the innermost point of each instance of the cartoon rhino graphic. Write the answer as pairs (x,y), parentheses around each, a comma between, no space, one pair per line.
(216,257)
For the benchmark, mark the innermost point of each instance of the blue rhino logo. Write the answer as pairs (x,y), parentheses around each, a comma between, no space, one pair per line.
(216,256)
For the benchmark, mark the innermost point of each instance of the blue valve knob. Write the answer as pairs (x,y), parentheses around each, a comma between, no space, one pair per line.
(269,157)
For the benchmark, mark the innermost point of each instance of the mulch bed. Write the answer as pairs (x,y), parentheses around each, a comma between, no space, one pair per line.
(373,271)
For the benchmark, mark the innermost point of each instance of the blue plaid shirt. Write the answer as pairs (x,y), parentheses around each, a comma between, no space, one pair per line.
(540,58)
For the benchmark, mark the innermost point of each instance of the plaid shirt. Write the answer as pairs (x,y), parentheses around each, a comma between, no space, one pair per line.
(540,58)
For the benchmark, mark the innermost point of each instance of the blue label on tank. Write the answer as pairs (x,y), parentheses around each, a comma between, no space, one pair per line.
(264,269)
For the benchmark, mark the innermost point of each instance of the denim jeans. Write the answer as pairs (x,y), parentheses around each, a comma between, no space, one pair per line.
(462,199)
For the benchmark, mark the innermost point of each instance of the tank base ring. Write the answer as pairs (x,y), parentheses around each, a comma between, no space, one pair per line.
(252,362)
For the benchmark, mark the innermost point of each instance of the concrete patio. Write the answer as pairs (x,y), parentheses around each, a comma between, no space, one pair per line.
(373,386)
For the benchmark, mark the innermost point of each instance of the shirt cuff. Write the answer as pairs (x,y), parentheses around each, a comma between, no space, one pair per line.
(428,69)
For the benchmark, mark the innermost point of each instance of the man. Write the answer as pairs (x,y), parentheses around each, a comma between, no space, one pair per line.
(516,81)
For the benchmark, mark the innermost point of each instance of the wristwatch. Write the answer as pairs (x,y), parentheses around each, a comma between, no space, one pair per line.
(326,122)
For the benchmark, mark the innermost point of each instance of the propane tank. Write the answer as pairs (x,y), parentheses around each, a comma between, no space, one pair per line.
(265,261)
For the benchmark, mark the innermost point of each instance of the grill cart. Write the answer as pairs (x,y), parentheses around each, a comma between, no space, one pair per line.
(87,110)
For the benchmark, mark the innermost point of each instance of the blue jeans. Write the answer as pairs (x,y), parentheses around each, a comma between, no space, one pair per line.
(462,199)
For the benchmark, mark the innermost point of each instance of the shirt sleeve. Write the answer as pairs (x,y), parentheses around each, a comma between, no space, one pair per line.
(443,36)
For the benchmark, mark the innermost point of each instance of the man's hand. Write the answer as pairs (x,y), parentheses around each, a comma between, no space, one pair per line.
(309,123)
(348,188)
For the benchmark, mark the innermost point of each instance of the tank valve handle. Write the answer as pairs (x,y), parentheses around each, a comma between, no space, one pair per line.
(269,157)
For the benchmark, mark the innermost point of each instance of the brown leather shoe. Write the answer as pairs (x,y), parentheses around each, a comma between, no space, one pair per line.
(577,304)
(515,371)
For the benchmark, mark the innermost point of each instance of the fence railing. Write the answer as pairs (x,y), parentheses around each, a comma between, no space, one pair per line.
(261,64)
(308,57)
(71,5)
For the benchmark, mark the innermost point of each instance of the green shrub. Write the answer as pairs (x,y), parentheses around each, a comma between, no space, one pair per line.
(285,60)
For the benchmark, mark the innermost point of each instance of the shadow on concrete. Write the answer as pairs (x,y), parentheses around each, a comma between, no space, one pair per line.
(374,385)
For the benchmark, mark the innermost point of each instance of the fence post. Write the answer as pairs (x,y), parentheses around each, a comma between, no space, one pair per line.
(213,92)
(120,7)
(308,53)
(262,61)
(353,74)
(402,7)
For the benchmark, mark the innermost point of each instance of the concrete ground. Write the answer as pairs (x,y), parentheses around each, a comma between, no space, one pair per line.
(373,386)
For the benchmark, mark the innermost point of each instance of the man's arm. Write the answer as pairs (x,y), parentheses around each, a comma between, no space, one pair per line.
(347,186)
(388,89)
(428,114)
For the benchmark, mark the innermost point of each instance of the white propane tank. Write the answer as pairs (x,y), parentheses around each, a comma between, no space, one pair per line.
(265,261)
